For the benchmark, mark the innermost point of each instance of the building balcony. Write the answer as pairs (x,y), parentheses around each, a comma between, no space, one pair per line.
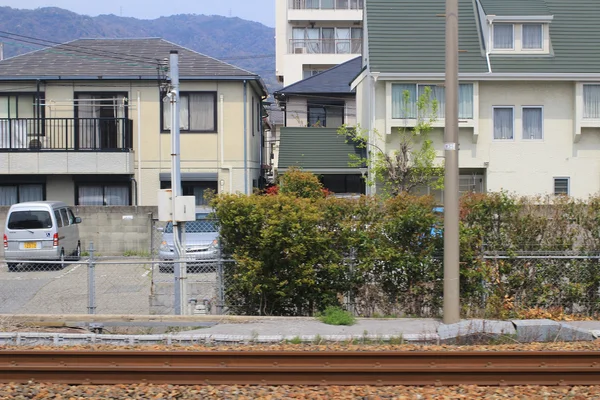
(325,10)
(325,46)
(66,146)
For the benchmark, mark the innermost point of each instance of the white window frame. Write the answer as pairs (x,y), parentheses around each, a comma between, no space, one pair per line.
(583,101)
(418,85)
(527,49)
(523,124)
(513,124)
(494,36)
(568,185)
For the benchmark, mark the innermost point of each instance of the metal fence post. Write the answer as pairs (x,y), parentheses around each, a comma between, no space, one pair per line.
(91,281)
(220,284)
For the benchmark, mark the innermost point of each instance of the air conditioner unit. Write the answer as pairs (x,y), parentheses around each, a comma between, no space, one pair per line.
(299,50)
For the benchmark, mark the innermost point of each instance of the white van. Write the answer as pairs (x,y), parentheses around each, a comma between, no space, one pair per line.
(41,230)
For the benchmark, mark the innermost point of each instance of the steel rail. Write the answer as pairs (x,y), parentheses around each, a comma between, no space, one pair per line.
(302,368)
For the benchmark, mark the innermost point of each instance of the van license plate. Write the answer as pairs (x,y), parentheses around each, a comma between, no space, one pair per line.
(30,245)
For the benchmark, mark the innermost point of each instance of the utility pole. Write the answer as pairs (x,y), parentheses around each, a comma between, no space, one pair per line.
(176,182)
(451,206)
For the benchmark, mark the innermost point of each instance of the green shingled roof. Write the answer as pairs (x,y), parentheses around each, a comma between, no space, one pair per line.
(406,36)
(314,149)
(515,7)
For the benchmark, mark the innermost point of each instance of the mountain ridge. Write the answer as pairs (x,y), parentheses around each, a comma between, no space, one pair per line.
(247,44)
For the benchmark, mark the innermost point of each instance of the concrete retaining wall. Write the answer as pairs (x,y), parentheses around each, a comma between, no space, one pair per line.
(115,230)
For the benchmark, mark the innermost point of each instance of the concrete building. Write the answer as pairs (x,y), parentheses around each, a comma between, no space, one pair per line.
(529,97)
(315,35)
(86,123)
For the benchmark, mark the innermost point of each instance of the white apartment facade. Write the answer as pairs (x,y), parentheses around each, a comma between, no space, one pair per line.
(315,35)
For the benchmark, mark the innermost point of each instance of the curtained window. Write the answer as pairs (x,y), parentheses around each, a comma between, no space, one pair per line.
(103,195)
(533,123)
(532,36)
(197,112)
(402,109)
(19,193)
(503,36)
(591,101)
(503,123)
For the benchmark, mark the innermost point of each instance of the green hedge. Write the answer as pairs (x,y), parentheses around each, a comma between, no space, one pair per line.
(299,251)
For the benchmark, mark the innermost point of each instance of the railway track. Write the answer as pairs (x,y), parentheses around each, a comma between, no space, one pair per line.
(441,368)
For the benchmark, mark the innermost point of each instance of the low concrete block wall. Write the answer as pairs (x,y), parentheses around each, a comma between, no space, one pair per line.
(115,230)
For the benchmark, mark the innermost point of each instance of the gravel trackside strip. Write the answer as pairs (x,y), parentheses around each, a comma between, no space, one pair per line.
(43,391)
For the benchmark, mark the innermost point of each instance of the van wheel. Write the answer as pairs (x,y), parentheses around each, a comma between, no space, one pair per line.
(12,267)
(61,264)
(78,252)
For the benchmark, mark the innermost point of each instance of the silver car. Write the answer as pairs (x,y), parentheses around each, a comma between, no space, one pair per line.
(201,242)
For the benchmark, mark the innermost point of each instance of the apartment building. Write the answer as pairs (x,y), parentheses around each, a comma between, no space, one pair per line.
(315,35)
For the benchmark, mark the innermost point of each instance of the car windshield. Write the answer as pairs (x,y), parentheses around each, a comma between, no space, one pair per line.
(29,220)
(202,224)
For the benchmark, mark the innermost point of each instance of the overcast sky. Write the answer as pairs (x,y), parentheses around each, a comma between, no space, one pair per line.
(255,10)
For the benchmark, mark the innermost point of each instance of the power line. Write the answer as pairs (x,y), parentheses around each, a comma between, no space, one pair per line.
(68,52)
(76,48)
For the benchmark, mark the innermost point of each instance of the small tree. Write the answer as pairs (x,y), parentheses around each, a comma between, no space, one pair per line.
(412,164)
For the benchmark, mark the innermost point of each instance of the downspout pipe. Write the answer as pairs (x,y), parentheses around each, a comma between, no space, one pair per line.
(245,137)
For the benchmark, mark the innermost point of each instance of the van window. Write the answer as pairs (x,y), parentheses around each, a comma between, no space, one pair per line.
(63,213)
(71,216)
(29,220)
(59,223)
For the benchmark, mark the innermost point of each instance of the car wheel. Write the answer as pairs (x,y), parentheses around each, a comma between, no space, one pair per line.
(12,267)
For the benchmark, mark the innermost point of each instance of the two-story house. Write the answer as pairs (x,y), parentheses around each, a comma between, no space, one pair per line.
(313,110)
(529,96)
(312,36)
(88,122)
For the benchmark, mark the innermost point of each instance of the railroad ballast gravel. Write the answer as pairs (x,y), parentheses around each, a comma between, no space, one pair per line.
(156,392)
(342,346)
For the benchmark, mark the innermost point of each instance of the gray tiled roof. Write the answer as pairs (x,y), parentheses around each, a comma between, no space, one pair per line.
(334,80)
(113,58)
(407,36)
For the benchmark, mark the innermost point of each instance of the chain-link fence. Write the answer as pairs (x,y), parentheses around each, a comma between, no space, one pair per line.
(136,276)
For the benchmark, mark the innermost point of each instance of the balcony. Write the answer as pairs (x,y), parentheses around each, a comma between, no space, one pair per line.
(325,10)
(325,46)
(66,134)
(326,4)
(66,145)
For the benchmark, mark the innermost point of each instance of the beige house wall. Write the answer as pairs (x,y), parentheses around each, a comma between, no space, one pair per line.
(570,148)
(220,152)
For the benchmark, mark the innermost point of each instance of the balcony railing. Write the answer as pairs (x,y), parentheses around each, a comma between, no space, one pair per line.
(326,4)
(326,46)
(66,134)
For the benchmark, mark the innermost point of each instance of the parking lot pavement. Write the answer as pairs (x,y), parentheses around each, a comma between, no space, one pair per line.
(120,288)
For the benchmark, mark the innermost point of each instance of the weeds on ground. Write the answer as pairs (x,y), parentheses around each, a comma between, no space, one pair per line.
(336,316)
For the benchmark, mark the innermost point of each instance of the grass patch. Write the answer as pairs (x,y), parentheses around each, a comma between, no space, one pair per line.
(136,253)
(336,316)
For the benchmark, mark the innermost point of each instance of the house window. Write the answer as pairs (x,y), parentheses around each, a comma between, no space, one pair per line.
(103,195)
(533,123)
(407,108)
(18,193)
(504,36)
(561,186)
(326,114)
(591,101)
(503,123)
(197,112)
(194,188)
(532,37)
(326,40)
(343,183)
